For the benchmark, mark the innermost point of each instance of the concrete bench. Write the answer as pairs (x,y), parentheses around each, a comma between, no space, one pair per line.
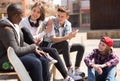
(6,76)
(12,76)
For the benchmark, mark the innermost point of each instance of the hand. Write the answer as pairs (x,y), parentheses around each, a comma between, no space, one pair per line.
(38,41)
(97,68)
(49,26)
(41,53)
(75,30)
(72,34)
(103,65)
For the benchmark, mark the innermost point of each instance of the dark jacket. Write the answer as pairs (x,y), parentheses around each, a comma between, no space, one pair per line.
(8,37)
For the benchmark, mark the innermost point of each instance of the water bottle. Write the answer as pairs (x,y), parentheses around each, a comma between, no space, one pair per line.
(6,65)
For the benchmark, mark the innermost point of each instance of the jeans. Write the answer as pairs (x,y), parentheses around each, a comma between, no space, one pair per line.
(107,75)
(63,48)
(37,67)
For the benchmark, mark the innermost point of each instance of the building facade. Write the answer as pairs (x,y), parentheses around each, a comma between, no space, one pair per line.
(80,12)
(79,15)
(4,4)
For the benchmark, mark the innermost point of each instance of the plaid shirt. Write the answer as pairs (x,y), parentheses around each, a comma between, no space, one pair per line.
(109,59)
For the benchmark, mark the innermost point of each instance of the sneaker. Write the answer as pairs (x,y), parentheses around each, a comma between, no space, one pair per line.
(68,78)
(78,72)
(52,60)
(71,73)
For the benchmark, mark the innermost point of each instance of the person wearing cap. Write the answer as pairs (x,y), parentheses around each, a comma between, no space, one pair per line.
(102,61)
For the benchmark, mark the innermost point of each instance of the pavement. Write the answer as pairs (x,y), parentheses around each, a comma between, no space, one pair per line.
(89,45)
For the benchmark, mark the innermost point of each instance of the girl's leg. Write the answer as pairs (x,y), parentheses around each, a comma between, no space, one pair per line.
(34,66)
(107,75)
(91,74)
(111,74)
(59,65)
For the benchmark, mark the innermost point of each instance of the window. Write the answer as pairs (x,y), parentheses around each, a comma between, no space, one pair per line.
(85,18)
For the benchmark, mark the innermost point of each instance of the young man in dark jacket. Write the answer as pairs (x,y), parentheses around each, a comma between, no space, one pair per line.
(32,58)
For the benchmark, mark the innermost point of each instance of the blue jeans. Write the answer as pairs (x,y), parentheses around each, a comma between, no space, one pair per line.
(37,67)
(107,75)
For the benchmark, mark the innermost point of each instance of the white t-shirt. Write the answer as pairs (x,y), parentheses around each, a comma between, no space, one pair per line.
(60,31)
(25,23)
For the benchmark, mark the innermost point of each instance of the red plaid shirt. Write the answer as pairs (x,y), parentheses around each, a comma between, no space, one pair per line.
(109,59)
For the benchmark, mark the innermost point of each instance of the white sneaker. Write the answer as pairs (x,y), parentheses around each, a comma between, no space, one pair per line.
(71,73)
(78,72)
(52,60)
(68,78)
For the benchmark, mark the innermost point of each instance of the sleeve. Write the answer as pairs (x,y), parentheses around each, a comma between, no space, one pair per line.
(10,40)
(114,60)
(39,36)
(52,33)
(23,23)
(88,59)
(40,31)
(68,28)
(48,36)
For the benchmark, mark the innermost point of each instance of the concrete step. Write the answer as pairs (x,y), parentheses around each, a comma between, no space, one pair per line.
(116,43)
(97,34)
(8,76)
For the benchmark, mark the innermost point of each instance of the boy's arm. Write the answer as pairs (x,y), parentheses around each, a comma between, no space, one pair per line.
(66,37)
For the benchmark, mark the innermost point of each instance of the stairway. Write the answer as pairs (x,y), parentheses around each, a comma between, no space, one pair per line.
(97,34)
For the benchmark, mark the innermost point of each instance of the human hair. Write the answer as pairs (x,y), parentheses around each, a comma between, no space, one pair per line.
(63,9)
(42,10)
(13,9)
(107,50)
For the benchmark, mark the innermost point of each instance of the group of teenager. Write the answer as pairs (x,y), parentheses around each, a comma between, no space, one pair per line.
(38,40)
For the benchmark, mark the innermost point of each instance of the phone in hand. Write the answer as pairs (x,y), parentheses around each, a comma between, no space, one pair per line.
(75,31)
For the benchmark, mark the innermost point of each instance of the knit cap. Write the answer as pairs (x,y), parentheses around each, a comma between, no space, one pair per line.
(107,40)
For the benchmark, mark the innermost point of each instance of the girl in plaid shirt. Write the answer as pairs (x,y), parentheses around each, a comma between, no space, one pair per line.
(102,62)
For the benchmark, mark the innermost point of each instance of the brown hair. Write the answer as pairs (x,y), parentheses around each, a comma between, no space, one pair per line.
(42,10)
(107,50)
(63,9)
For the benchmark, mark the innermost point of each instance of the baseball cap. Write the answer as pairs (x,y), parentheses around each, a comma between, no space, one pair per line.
(107,40)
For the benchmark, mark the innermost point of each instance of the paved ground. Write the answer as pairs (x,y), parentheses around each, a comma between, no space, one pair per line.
(89,45)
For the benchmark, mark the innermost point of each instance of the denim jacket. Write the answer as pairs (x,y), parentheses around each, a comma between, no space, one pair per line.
(66,29)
